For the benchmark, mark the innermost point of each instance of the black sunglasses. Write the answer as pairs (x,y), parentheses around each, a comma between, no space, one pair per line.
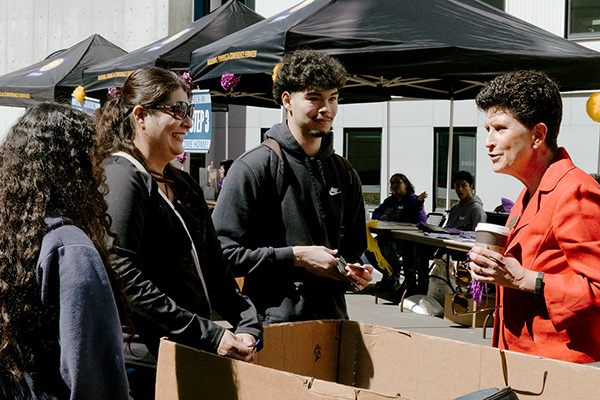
(460,300)
(180,110)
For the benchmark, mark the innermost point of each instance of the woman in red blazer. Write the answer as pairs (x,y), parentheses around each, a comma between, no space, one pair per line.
(549,276)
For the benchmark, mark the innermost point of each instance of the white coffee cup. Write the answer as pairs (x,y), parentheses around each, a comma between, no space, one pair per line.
(491,236)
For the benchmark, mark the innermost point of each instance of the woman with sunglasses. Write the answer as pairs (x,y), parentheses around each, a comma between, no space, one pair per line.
(167,250)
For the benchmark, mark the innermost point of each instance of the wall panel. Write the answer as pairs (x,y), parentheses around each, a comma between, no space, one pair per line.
(22,49)
(109,21)
(30,30)
(547,14)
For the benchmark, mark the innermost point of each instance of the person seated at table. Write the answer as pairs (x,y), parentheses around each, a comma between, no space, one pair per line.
(403,205)
(468,212)
(225,165)
(465,215)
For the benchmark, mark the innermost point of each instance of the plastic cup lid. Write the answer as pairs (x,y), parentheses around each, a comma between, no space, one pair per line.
(499,229)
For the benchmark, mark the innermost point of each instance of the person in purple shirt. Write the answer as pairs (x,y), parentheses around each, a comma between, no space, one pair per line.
(225,165)
(403,205)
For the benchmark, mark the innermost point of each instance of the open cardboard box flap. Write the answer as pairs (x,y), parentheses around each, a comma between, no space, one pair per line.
(334,359)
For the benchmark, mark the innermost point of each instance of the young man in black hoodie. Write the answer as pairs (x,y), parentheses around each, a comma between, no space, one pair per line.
(290,208)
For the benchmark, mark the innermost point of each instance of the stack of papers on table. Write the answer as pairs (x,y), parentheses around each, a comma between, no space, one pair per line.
(402,226)
(449,237)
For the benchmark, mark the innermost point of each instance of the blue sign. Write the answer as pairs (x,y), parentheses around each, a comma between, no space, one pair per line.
(88,105)
(197,139)
(48,67)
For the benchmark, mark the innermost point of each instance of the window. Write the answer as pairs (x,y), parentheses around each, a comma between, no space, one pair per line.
(197,162)
(464,156)
(205,7)
(363,149)
(583,18)
(263,134)
(499,4)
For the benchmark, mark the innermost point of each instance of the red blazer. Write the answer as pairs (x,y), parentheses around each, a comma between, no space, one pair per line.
(557,233)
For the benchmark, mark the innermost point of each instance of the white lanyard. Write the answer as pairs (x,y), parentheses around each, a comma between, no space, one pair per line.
(139,166)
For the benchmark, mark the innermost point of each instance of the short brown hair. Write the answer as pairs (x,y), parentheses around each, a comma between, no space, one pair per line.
(530,96)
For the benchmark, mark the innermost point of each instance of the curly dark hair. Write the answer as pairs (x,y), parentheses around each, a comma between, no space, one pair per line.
(531,97)
(302,70)
(147,87)
(49,166)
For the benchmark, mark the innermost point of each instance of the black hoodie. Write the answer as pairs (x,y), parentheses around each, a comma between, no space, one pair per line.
(259,222)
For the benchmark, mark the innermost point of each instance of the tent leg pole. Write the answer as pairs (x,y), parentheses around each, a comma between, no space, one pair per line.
(384,179)
(227,134)
(450,151)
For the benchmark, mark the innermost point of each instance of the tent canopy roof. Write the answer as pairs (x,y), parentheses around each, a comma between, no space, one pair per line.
(55,77)
(173,52)
(424,49)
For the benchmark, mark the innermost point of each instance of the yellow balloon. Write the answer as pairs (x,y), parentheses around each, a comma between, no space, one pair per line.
(79,94)
(593,107)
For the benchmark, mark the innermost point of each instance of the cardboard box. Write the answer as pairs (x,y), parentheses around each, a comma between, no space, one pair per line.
(326,360)
(475,320)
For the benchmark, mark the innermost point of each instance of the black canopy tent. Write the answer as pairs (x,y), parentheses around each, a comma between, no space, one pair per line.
(172,52)
(55,77)
(435,49)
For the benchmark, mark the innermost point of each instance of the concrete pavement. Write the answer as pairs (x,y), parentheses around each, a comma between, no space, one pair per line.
(362,308)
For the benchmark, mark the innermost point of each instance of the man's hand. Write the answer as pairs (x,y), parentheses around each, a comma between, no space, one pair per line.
(236,347)
(362,274)
(318,260)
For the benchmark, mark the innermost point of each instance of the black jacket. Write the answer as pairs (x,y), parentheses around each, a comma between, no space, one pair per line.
(259,222)
(154,256)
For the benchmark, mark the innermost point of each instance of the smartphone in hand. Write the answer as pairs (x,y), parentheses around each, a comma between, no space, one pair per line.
(341,264)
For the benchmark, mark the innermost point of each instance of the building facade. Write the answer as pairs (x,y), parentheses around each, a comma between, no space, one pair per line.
(411,136)
(408,136)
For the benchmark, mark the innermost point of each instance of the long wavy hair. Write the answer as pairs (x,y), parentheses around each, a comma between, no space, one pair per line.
(147,87)
(49,166)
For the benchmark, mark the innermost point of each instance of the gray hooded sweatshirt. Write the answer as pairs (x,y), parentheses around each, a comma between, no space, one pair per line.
(466,217)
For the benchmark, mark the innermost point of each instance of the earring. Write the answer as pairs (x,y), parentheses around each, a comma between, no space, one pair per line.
(535,146)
